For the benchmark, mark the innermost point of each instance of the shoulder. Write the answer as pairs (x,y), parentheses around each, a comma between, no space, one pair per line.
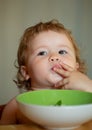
(9,111)
(12,103)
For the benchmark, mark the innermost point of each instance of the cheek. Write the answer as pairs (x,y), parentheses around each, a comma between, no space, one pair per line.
(38,69)
(70,62)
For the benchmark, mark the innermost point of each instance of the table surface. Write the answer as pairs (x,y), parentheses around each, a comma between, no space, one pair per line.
(86,126)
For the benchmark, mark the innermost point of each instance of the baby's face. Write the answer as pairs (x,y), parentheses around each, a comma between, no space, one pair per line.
(48,50)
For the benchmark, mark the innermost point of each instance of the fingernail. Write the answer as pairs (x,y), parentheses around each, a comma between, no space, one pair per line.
(63,62)
(54,68)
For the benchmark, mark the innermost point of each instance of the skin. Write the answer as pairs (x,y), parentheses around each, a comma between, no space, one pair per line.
(73,79)
(47,51)
(12,115)
(51,64)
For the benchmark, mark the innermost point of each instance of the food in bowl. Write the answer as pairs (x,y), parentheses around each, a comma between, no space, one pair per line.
(56,109)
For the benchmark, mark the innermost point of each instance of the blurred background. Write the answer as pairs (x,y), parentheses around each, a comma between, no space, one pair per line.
(17,15)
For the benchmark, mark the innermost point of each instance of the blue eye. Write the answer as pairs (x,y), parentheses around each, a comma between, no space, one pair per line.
(62,52)
(42,53)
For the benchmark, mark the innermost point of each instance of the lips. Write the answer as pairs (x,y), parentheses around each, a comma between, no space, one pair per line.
(55,77)
(56,66)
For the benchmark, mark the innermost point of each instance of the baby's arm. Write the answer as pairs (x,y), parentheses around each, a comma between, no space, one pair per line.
(12,115)
(9,113)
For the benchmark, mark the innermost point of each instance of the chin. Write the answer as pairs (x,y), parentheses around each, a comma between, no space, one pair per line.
(55,78)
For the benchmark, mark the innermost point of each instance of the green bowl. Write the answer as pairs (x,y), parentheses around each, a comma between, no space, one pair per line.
(56,109)
(58,97)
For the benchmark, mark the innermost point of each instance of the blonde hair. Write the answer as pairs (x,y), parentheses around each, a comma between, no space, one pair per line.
(29,34)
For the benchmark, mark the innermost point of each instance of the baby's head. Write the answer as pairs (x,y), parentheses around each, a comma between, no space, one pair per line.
(29,35)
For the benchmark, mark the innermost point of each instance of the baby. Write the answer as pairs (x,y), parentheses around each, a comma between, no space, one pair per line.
(48,58)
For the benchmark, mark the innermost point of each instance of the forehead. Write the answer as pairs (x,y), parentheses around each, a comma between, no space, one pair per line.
(51,38)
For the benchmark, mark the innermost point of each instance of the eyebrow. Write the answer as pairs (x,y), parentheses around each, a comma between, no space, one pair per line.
(40,47)
(65,46)
(35,49)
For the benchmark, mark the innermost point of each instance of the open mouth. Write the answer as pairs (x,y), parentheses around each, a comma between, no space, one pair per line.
(58,66)
(55,76)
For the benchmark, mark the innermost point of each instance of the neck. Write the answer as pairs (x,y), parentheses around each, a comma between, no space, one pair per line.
(38,88)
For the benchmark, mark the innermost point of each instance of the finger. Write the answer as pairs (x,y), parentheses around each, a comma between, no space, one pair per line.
(62,72)
(62,83)
(66,67)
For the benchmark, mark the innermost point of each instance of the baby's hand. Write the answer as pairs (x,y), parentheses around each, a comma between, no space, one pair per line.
(73,79)
(65,72)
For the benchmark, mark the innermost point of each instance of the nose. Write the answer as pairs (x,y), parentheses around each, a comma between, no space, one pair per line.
(54,58)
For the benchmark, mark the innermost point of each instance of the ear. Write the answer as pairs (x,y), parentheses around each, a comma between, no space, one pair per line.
(77,66)
(24,72)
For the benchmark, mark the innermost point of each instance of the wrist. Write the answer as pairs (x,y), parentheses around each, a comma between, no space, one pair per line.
(89,86)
